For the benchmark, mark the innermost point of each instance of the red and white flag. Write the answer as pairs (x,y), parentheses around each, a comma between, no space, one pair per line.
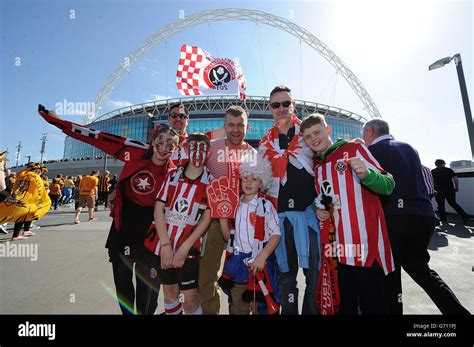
(200,74)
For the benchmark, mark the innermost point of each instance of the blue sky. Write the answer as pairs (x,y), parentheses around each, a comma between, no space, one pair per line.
(64,50)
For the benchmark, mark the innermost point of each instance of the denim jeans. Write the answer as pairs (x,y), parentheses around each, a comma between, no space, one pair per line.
(287,280)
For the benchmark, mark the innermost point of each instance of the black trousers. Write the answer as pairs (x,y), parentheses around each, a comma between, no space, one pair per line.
(54,201)
(126,251)
(451,197)
(18,225)
(361,288)
(409,238)
(146,291)
(102,198)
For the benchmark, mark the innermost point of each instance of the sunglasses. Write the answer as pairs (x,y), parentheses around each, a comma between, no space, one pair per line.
(180,115)
(276,105)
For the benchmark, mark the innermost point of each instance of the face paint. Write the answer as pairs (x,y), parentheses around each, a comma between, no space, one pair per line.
(164,146)
(197,152)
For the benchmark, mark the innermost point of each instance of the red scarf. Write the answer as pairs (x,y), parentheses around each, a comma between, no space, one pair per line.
(327,290)
(297,153)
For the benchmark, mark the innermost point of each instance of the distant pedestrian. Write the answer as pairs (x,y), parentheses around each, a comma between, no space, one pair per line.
(55,193)
(88,195)
(68,190)
(446,184)
(104,183)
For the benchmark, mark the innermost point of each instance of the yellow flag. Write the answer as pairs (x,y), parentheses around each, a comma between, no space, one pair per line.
(29,200)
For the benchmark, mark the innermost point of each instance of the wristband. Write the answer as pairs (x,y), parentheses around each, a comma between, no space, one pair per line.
(165,244)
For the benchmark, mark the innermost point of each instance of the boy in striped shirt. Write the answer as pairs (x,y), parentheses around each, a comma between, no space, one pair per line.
(182,216)
(350,175)
(250,243)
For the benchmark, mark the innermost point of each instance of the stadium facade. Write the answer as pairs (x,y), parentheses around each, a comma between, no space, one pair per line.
(206,113)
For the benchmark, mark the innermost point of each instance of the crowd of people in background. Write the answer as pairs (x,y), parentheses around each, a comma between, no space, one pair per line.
(64,191)
(97,157)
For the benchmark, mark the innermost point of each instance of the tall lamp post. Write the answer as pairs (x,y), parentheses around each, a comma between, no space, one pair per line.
(464,94)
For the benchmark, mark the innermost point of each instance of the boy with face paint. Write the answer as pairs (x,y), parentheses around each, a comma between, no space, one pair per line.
(178,119)
(197,152)
(182,216)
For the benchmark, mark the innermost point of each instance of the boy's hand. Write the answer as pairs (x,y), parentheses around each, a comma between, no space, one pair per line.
(322,214)
(166,255)
(258,263)
(359,167)
(180,256)
(41,108)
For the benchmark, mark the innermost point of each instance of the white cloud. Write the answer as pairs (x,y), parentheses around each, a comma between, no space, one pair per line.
(157,97)
(119,103)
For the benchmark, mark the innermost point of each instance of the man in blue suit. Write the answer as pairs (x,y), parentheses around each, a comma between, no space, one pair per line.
(410,221)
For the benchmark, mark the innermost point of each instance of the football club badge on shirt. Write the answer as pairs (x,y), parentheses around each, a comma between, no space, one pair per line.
(341,166)
(143,182)
(179,213)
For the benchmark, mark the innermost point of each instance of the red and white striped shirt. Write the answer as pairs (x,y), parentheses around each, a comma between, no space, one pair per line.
(245,221)
(222,155)
(361,233)
(185,202)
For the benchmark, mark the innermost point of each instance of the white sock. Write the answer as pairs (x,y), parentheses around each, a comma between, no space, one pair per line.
(198,311)
(173,308)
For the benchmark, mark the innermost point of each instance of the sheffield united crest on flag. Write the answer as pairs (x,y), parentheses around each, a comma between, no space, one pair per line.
(200,74)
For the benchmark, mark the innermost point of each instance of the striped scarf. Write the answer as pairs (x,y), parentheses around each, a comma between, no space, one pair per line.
(297,153)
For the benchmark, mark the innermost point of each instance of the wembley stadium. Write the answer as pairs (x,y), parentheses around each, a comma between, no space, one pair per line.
(206,113)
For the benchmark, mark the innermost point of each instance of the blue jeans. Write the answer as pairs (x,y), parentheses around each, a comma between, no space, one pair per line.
(287,280)
(67,195)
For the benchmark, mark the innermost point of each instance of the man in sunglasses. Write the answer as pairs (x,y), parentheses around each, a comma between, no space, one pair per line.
(293,193)
(178,119)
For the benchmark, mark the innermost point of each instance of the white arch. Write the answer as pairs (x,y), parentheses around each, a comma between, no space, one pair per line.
(235,14)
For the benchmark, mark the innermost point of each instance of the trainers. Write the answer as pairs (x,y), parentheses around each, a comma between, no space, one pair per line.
(28,233)
(92,219)
(466,220)
(34,226)
(19,238)
(77,222)
(3,230)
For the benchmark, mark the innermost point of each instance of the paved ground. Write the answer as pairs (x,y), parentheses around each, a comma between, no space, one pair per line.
(72,275)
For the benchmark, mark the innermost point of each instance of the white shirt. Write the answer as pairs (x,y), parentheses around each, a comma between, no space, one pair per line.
(381,138)
(245,224)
